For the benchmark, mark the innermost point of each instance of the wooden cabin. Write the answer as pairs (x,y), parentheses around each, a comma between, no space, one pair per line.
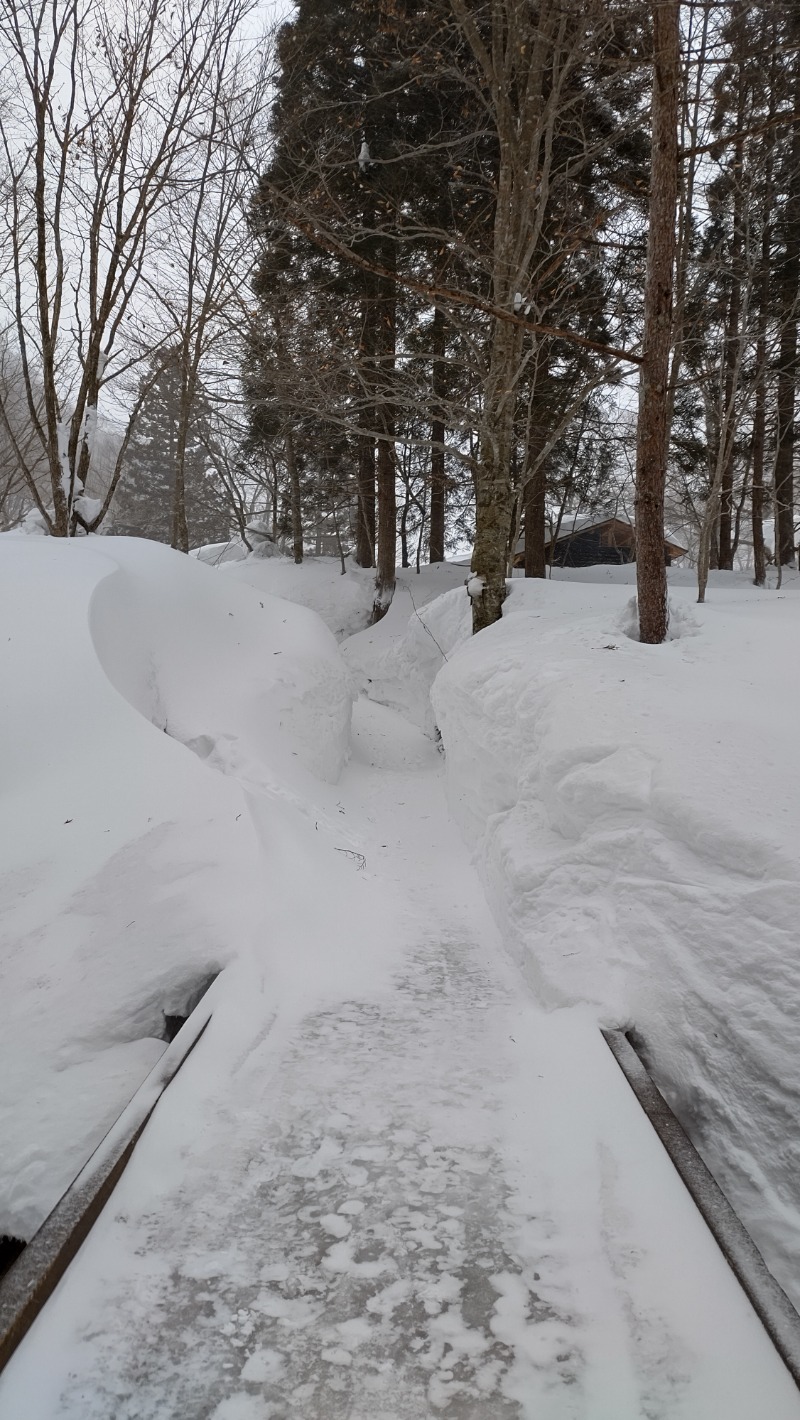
(588,541)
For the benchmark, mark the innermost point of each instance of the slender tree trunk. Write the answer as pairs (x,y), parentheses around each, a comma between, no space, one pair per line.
(365,525)
(743,495)
(732,353)
(84,433)
(423,514)
(760,395)
(687,174)
(274,503)
(180,526)
(653,427)
(760,402)
(784,461)
(438,508)
(386,561)
(535,491)
(725,530)
(789,286)
(404,562)
(759,425)
(708,556)
(296,504)
(494,495)
(57,453)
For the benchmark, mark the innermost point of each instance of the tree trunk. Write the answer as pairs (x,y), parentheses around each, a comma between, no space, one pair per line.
(404,562)
(365,525)
(386,561)
(760,403)
(180,527)
(760,395)
(294,484)
(438,508)
(732,353)
(535,491)
(759,422)
(784,460)
(653,427)
(725,533)
(789,286)
(494,495)
(687,175)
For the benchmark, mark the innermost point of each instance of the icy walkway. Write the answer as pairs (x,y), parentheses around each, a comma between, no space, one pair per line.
(430,1200)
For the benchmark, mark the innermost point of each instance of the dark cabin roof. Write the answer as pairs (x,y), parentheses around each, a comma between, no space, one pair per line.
(621,527)
(620,532)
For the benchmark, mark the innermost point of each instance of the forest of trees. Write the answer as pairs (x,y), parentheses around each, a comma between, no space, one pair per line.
(414,277)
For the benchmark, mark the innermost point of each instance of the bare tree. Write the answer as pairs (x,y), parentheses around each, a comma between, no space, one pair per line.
(105,113)
(201,289)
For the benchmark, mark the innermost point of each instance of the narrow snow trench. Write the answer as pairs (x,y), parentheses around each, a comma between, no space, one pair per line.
(432,1200)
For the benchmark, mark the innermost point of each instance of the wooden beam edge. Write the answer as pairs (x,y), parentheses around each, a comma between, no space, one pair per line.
(768,1299)
(33,1278)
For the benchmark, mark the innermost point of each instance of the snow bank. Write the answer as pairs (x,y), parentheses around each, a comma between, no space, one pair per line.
(215,553)
(344,601)
(130,872)
(228,673)
(632,812)
(397,661)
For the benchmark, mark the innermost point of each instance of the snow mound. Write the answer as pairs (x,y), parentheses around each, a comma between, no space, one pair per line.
(215,553)
(680,621)
(400,673)
(343,601)
(219,668)
(131,872)
(629,810)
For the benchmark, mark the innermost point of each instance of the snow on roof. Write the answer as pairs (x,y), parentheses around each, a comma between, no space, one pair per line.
(572,523)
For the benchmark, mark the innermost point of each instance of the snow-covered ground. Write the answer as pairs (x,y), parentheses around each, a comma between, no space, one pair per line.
(634,814)
(343,600)
(401,1175)
(130,866)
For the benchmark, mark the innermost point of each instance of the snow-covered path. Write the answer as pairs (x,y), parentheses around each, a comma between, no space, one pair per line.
(429,1199)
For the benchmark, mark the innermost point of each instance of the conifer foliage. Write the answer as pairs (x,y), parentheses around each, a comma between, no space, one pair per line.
(431,220)
(144,499)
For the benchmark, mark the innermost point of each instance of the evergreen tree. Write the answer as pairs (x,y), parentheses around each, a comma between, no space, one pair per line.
(385,222)
(143,501)
(369,175)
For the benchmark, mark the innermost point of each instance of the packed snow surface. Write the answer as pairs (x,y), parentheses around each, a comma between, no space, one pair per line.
(389,1182)
(633,813)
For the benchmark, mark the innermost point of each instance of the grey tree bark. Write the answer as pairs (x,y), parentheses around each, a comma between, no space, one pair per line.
(438,505)
(525,63)
(535,490)
(294,484)
(789,286)
(653,425)
(385,574)
(365,481)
